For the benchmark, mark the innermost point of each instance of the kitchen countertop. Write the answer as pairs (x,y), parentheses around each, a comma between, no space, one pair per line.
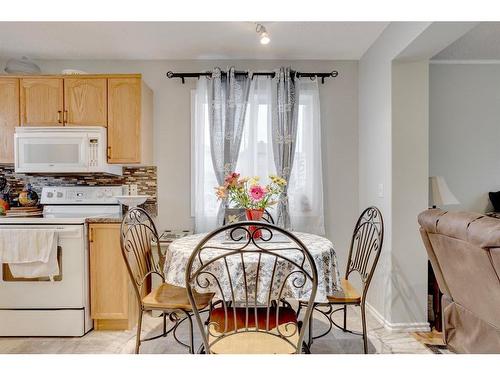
(104,220)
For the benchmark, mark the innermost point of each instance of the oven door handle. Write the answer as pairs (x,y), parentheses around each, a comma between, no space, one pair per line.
(66,230)
(60,230)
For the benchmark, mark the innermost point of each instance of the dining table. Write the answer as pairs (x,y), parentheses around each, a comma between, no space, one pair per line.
(320,248)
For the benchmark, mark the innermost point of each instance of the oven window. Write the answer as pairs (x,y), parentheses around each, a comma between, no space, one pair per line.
(7,275)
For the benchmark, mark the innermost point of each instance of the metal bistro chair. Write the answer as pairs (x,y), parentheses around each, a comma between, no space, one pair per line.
(363,257)
(251,278)
(138,234)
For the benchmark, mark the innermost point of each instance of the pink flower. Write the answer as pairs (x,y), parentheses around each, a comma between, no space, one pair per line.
(257,192)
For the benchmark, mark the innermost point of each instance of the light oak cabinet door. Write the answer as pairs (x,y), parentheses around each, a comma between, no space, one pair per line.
(85,101)
(109,283)
(42,101)
(124,120)
(9,117)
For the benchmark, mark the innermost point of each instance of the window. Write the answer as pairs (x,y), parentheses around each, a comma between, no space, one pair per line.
(305,189)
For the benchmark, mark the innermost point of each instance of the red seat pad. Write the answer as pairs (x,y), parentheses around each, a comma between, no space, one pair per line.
(284,315)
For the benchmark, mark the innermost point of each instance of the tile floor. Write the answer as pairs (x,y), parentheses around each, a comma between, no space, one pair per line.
(381,340)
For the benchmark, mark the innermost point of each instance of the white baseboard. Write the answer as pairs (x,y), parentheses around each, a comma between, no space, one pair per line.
(398,327)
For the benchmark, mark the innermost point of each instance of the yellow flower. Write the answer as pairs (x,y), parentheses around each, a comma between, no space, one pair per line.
(254,180)
(278,180)
(221,192)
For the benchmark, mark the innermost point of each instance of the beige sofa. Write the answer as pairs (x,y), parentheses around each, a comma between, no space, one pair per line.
(464,250)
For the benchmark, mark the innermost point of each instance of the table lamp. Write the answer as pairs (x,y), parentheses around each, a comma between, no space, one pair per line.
(439,193)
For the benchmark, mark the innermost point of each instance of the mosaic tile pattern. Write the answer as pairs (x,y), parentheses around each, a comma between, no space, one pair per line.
(144,177)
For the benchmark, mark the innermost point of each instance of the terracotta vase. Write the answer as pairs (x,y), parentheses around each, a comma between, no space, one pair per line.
(255,215)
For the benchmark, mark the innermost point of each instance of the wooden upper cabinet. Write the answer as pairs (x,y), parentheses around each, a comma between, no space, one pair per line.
(123,103)
(9,117)
(42,101)
(124,120)
(85,101)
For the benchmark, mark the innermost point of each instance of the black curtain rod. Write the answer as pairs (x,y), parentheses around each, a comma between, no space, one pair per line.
(182,76)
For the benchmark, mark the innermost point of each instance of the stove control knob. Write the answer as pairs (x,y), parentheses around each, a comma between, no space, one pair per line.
(109,194)
(100,194)
(59,194)
(50,194)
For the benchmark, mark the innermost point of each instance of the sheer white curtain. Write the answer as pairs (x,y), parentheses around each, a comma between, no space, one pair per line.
(256,150)
(204,203)
(256,158)
(256,155)
(305,190)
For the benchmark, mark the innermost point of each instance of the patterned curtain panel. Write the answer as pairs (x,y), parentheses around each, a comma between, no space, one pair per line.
(227,100)
(285,94)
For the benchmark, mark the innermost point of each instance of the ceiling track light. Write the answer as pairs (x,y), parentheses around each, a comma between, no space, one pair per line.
(263,35)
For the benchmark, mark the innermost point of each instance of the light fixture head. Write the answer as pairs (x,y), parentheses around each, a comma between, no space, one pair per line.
(264,36)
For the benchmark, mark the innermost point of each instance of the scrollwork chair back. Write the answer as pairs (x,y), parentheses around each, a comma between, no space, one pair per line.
(251,278)
(366,244)
(138,239)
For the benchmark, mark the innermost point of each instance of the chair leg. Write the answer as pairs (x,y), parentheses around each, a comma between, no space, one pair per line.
(306,349)
(363,320)
(164,323)
(191,334)
(345,318)
(138,336)
(310,327)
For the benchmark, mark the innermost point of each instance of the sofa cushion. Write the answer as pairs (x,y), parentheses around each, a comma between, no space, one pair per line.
(467,333)
(464,249)
(469,275)
(480,230)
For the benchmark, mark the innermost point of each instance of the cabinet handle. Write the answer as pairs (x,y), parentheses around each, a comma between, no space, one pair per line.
(109,152)
(91,236)
(59,113)
(65,117)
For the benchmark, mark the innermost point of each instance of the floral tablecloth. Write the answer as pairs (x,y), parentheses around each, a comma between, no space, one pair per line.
(320,248)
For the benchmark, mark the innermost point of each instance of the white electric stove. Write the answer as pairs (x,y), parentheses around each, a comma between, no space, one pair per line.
(40,307)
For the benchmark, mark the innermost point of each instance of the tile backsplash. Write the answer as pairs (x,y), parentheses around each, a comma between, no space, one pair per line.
(144,177)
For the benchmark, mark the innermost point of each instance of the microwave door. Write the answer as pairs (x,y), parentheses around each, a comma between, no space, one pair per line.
(52,153)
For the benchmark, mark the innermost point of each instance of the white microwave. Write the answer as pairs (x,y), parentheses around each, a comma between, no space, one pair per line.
(62,150)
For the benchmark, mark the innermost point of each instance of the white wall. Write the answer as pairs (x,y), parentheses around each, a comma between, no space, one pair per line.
(465,131)
(393,160)
(410,155)
(376,158)
(172,134)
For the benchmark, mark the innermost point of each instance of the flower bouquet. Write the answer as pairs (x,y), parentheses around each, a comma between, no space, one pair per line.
(248,193)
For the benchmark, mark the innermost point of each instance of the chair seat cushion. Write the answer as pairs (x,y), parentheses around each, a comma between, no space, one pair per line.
(349,294)
(168,296)
(277,334)
(282,316)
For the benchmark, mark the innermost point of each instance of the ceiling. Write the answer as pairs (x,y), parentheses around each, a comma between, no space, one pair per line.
(186,40)
(481,43)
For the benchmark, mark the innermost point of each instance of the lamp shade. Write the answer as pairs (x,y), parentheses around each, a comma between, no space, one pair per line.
(439,192)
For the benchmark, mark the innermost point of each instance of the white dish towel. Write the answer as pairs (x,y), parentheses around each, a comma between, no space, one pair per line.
(30,253)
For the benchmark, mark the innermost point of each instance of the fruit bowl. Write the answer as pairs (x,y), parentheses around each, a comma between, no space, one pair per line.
(132,201)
